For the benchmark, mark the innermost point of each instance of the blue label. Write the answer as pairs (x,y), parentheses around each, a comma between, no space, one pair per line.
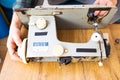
(40,43)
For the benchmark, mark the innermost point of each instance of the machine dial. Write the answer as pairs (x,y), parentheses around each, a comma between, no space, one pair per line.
(58,50)
(41,23)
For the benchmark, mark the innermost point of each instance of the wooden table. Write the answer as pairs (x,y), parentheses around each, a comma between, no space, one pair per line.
(13,70)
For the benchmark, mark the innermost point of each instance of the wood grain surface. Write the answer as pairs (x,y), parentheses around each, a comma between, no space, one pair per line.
(3,50)
(115,32)
(13,70)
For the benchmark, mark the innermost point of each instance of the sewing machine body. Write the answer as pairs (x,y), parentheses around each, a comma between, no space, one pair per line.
(43,44)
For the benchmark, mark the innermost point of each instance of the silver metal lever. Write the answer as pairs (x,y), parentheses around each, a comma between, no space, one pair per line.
(45,3)
(95,26)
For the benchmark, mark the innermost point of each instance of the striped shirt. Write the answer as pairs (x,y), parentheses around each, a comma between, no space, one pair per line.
(33,3)
(22,4)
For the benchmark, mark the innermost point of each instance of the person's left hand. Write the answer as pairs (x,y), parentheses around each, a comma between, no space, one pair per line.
(110,3)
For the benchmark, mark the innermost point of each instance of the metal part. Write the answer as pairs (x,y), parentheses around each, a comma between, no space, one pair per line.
(100,52)
(106,43)
(95,26)
(117,40)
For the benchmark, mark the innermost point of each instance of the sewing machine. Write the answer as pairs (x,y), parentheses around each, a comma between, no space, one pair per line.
(42,44)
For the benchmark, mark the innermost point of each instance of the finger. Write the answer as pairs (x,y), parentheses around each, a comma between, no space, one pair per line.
(11,45)
(100,2)
(110,4)
(17,40)
(103,13)
(11,49)
(100,13)
(96,13)
(15,57)
(13,54)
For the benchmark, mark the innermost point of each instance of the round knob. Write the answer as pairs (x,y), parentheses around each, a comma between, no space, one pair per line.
(41,23)
(96,37)
(22,51)
(58,50)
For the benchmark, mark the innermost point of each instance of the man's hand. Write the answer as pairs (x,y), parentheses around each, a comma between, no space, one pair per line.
(14,38)
(110,3)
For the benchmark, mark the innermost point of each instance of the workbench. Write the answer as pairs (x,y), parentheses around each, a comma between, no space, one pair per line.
(13,70)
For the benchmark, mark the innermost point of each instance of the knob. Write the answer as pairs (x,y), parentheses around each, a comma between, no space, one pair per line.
(96,37)
(22,51)
(41,23)
(58,50)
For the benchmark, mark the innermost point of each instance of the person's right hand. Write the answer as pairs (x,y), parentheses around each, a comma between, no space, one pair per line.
(14,38)
(109,3)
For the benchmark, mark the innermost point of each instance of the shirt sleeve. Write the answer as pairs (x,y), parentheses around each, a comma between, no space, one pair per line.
(22,4)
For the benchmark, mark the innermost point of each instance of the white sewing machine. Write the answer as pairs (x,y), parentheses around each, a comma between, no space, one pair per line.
(42,44)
